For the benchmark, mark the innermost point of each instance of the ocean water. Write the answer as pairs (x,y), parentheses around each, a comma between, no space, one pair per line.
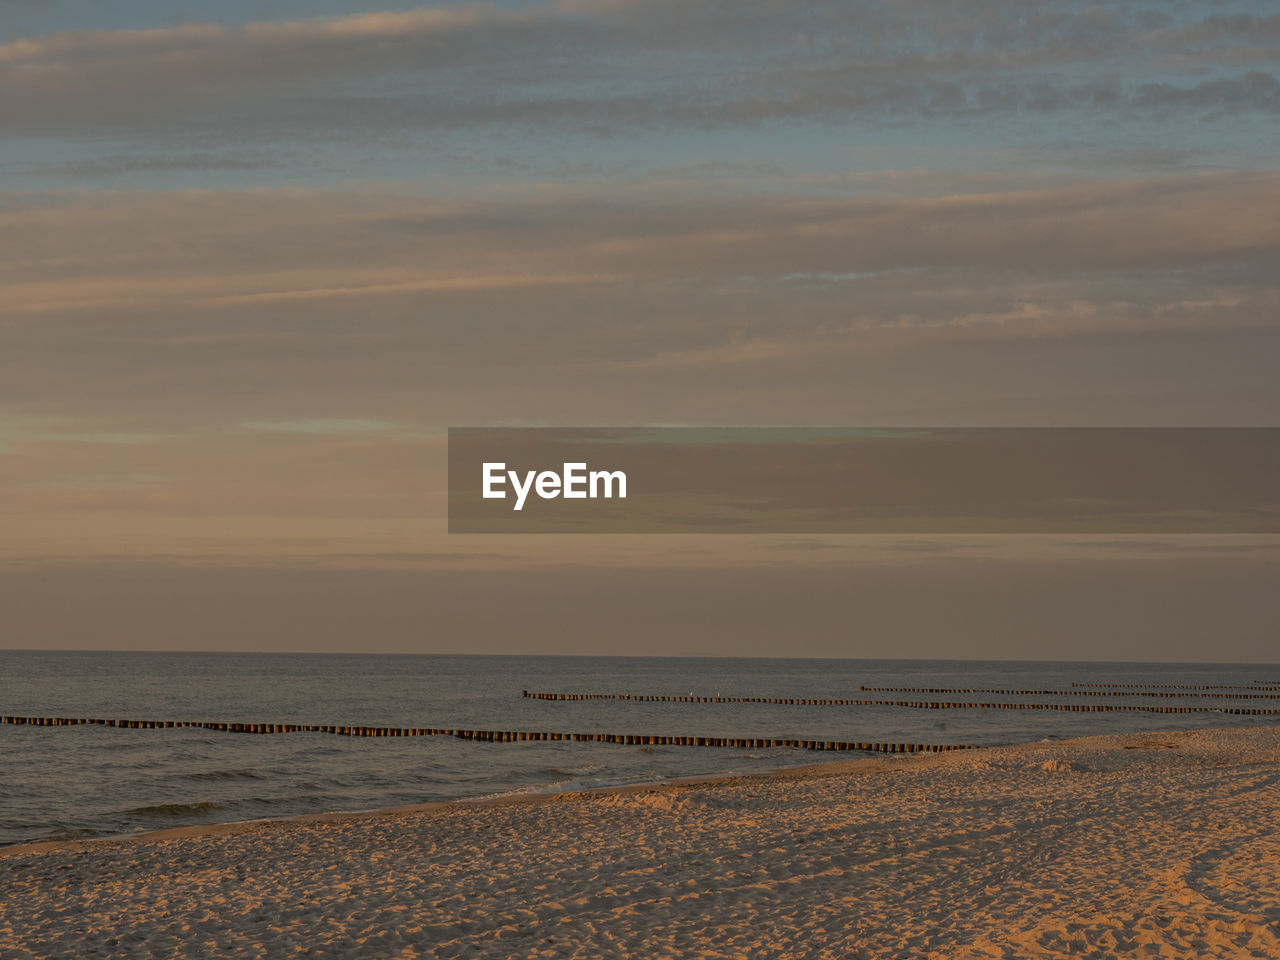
(86,781)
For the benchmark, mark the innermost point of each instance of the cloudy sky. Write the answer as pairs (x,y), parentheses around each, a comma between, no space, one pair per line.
(255,257)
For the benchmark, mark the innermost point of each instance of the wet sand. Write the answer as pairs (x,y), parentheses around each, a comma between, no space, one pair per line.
(1142,845)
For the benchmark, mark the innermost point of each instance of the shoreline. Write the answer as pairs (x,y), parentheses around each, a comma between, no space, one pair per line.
(867,764)
(1120,845)
(533,797)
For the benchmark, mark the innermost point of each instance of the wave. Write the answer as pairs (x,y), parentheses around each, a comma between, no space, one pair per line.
(563,786)
(223,775)
(187,809)
(573,771)
(179,809)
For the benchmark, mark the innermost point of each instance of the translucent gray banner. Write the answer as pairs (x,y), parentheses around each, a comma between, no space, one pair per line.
(858,480)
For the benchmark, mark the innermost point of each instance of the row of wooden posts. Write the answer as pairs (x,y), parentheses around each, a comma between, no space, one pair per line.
(659,698)
(502,736)
(1070,707)
(1073,693)
(918,704)
(232,727)
(1255,685)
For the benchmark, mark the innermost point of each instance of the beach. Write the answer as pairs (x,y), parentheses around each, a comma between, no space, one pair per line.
(1138,845)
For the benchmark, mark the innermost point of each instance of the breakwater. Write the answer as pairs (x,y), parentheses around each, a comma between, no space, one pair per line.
(498,736)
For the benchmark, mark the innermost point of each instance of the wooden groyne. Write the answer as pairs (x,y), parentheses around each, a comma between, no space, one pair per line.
(1255,685)
(1073,693)
(232,726)
(1070,707)
(660,698)
(500,736)
(738,742)
(929,704)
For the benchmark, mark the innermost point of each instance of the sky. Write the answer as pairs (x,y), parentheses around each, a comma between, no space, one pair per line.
(255,258)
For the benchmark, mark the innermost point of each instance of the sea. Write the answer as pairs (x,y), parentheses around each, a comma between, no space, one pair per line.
(68,782)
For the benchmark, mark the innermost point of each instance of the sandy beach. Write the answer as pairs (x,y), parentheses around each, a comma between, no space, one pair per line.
(1122,846)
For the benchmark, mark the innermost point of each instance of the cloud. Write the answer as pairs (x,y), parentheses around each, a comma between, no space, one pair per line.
(1253,91)
(318,426)
(215,250)
(18,430)
(478,283)
(1150,299)
(114,164)
(1117,608)
(1226,37)
(615,67)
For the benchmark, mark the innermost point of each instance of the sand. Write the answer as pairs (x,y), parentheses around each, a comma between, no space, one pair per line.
(1146,846)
